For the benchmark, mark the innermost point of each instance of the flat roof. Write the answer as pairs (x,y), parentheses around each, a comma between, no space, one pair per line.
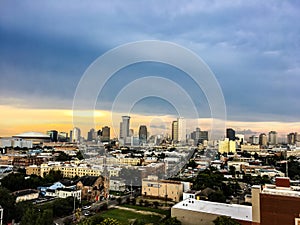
(239,212)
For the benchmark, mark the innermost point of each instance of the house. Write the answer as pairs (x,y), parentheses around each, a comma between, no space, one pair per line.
(93,187)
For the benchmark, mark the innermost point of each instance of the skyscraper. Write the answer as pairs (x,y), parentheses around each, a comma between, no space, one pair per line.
(124,127)
(105,134)
(91,135)
(175,131)
(230,134)
(76,134)
(143,134)
(53,135)
(181,130)
(273,138)
(263,139)
(62,136)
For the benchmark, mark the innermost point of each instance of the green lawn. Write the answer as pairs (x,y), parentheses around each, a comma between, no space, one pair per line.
(143,208)
(123,216)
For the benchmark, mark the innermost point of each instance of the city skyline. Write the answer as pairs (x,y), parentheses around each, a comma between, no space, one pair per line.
(251,47)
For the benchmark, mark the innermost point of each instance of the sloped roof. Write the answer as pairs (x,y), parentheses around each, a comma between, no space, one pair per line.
(87,180)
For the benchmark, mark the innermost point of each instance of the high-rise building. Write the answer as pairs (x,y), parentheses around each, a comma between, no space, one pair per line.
(92,135)
(143,134)
(76,134)
(292,138)
(230,134)
(62,136)
(105,134)
(254,139)
(181,130)
(199,136)
(175,131)
(53,135)
(71,136)
(273,138)
(124,127)
(263,139)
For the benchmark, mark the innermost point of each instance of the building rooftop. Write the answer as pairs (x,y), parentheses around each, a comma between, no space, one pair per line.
(239,212)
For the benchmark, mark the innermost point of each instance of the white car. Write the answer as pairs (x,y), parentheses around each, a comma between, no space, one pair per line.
(86,207)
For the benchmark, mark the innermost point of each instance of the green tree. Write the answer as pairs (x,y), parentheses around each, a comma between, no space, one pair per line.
(224,220)
(7,201)
(110,221)
(63,157)
(171,221)
(217,196)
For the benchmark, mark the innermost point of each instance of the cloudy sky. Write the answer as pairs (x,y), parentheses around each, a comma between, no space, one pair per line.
(252,47)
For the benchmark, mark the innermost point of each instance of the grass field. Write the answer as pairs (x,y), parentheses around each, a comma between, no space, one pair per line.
(125,216)
(142,208)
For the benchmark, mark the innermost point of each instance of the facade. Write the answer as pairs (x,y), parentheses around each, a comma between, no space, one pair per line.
(26,195)
(117,184)
(91,135)
(181,130)
(263,139)
(124,127)
(76,134)
(230,134)
(93,188)
(175,131)
(273,138)
(254,140)
(227,146)
(143,134)
(105,134)
(164,189)
(68,192)
(53,135)
(276,204)
(192,212)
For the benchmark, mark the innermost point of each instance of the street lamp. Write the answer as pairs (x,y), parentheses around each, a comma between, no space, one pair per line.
(1,215)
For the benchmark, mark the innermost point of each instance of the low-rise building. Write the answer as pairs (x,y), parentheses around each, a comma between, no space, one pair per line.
(26,195)
(164,189)
(192,211)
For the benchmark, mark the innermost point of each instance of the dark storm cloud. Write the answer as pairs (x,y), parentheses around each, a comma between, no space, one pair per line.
(252,47)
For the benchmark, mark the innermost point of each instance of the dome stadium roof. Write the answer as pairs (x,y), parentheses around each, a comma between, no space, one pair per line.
(32,135)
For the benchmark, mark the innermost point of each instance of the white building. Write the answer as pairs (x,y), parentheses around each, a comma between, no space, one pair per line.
(181,130)
(192,211)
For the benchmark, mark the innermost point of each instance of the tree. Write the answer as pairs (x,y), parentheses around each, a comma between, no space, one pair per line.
(109,221)
(171,221)
(63,157)
(7,201)
(224,220)
(232,171)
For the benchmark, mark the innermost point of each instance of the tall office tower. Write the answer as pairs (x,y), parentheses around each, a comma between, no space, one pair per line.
(53,135)
(143,134)
(181,130)
(254,140)
(230,134)
(175,131)
(124,127)
(203,136)
(91,135)
(62,136)
(76,134)
(273,138)
(263,139)
(292,138)
(71,136)
(105,134)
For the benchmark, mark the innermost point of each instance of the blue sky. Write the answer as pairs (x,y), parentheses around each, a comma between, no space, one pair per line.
(253,48)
